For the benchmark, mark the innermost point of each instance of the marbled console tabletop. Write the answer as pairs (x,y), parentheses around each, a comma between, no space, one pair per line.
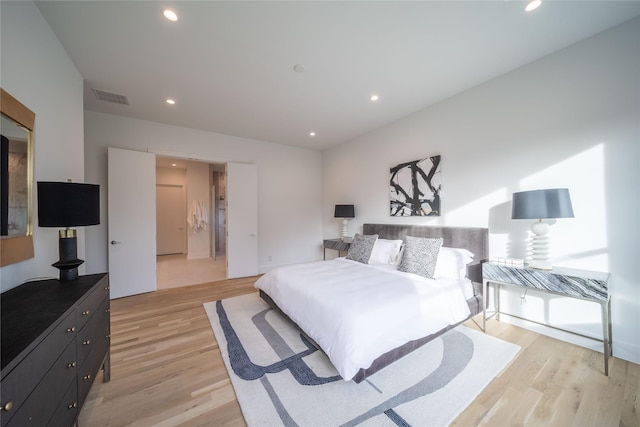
(566,282)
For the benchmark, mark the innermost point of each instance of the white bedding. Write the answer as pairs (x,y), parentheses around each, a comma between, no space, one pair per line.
(357,312)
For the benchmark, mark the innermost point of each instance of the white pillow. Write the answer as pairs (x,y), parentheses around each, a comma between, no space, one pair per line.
(386,252)
(452,263)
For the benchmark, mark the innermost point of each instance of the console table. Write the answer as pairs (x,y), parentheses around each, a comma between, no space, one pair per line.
(55,338)
(564,282)
(335,244)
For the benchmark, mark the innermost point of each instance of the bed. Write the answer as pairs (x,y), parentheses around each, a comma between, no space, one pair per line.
(365,316)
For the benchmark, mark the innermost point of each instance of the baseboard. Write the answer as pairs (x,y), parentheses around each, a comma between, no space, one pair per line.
(621,350)
(626,351)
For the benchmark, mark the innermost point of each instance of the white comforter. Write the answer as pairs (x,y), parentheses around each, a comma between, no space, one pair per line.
(357,312)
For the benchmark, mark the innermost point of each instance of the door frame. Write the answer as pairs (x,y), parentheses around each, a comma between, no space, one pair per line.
(196,158)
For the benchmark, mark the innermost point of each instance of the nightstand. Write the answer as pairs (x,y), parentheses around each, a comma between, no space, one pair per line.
(565,282)
(335,244)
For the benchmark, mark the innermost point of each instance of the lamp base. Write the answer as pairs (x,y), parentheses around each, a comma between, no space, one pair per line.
(68,250)
(345,228)
(540,243)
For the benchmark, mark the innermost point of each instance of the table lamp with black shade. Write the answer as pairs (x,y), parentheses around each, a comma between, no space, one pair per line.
(541,204)
(68,204)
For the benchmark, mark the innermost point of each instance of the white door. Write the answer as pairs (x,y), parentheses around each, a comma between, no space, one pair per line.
(170,219)
(132,222)
(242,220)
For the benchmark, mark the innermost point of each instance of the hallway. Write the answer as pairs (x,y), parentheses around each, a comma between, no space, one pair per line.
(174,271)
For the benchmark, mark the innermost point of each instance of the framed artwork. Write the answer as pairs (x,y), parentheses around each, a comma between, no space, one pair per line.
(415,188)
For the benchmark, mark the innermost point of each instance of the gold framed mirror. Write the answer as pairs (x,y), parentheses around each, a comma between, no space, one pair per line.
(16,240)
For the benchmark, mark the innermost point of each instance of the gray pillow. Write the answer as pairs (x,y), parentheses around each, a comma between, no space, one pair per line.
(361,247)
(420,256)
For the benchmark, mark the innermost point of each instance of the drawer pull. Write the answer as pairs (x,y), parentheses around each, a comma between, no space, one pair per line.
(87,342)
(85,313)
(71,365)
(71,329)
(86,377)
(73,405)
(7,406)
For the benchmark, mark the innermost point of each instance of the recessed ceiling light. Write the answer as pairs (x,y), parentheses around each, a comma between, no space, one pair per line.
(532,5)
(170,101)
(374,98)
(173,164)
(170,15)
(298,68)
(312,133)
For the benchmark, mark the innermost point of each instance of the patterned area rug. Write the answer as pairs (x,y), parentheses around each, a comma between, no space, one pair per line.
(281,379)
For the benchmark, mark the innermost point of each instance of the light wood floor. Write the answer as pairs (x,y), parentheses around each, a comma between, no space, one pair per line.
(173,271)
(167,371)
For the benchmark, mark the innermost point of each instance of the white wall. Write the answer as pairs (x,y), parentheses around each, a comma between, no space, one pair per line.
(289,182)
(171,176)
(37,71)
(572,120)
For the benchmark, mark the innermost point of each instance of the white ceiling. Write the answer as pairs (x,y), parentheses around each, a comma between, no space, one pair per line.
(229,65)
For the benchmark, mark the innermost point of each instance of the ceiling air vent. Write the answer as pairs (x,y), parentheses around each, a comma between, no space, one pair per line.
(110,97)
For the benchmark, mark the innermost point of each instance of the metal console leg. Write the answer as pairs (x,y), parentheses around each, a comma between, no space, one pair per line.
(606,333)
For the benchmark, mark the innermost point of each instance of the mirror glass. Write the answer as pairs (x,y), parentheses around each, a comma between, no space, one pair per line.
(16,180)
(16,144)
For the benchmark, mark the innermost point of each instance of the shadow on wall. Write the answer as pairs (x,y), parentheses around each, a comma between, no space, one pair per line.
(516,233)
(516,236)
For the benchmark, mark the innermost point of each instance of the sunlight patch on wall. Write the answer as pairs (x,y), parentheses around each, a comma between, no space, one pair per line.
(579,242)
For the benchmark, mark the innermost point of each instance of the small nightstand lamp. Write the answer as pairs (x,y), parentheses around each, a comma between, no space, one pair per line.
(539,204)
(68,204)
(345,212)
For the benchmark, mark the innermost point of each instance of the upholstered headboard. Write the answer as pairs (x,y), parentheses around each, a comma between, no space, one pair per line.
(473,239)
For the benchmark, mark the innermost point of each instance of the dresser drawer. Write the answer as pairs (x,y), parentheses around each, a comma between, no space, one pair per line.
(21,381)
(43,402)
(89,371)
(67,410)
(94,334)
(90,304)
(94,354)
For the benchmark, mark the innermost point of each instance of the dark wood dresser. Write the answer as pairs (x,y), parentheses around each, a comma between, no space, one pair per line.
(55,338)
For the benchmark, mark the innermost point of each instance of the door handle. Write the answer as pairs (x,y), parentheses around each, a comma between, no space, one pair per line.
(114,242)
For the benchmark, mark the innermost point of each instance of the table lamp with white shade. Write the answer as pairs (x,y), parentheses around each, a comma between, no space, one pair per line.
(345,212)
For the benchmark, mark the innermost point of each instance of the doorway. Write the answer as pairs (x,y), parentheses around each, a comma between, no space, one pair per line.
(190,210)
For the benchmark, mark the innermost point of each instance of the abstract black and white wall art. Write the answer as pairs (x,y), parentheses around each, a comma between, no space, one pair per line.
(416,187)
